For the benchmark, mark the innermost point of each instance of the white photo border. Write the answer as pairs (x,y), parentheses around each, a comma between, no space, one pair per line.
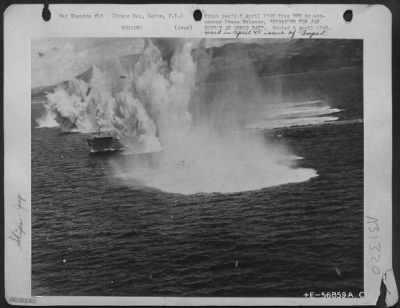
(372,24)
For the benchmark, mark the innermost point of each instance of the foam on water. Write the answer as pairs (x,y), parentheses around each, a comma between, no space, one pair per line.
(205,163)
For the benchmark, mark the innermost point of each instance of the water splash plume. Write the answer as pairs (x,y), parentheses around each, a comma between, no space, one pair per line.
(160,102)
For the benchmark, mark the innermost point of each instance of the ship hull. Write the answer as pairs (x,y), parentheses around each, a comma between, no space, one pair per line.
(104,144)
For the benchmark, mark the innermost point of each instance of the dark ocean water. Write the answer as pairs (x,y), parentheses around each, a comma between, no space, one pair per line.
(93,235)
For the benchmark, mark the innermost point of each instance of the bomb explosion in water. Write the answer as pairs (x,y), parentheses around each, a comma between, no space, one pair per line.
(153,104)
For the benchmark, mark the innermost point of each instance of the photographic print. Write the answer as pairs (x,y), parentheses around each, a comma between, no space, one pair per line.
(197,167)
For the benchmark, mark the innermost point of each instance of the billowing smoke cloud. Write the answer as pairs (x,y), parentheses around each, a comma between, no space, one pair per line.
(161,101)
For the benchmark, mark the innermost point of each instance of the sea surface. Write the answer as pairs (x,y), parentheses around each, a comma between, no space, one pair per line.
(94,235)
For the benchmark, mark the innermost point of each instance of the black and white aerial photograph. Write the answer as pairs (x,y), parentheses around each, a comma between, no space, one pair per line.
(189,167)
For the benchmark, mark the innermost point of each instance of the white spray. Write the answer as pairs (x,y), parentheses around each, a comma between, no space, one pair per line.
(203,152)
(155,103)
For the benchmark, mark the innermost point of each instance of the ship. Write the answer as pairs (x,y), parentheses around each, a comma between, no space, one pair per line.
(101,142)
